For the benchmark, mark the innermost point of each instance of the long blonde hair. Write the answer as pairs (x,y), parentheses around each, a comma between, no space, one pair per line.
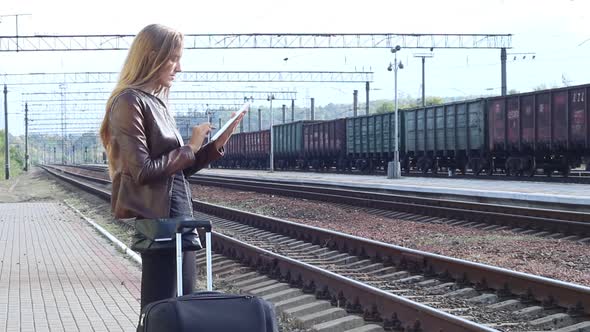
(150,50)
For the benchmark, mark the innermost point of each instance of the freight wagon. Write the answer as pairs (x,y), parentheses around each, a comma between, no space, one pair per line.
(370,141)
(449,136)
(324,145)
(516,134)
(247,150)
(288,145)
(547,130)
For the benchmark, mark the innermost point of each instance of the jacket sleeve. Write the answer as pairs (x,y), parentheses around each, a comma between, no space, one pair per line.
(203,157)
(128,130)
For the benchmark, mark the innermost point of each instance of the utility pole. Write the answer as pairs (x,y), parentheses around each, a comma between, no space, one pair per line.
(6,154)
(394,167)
(367,97)
(26,137)
(249,115)
(208,112)
(241,126)
(423,56)
(355,94)
(503,57)
(259,119)
(270,98)
(63,124)
(284,113)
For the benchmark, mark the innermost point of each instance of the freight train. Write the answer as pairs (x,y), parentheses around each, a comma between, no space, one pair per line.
(518,134)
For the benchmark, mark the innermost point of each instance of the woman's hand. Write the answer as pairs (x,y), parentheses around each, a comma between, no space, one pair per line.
(220,142)
(198,136)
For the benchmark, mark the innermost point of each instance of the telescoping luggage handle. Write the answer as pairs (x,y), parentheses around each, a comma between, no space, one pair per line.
(206,224)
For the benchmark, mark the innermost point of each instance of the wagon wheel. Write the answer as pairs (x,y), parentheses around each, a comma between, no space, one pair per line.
(423,165)
(424,168)
(476,169)
(315,164)
(341,165)
(463,168)
(348,166)
(490,169)
(405,170)
(565,171)
(532,169)
(405,167)
(435,167)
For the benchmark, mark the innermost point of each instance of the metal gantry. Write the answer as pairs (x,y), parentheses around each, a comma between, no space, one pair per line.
(43,108)
(195,77)
(254,41)
(36,97)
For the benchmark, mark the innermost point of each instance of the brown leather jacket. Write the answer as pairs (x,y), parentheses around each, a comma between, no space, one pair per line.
(147,150)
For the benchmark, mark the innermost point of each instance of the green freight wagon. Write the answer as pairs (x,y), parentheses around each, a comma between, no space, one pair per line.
(445,136)
(370,141)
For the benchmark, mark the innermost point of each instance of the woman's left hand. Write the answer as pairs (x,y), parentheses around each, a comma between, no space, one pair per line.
(222,140)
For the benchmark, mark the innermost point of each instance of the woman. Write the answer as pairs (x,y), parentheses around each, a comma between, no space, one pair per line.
(148,161)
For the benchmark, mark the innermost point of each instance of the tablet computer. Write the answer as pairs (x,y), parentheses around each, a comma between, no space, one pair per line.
(231,120)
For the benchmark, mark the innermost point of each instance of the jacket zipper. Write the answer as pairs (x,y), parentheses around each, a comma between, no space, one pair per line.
(170,187)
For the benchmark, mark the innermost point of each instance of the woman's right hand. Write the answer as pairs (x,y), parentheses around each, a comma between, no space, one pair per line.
(198,136)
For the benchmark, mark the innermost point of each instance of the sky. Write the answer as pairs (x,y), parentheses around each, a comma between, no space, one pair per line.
(556,32)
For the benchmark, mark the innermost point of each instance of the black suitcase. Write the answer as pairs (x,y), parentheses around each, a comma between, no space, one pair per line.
(207,311)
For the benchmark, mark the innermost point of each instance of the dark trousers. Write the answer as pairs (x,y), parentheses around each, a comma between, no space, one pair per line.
(158,276)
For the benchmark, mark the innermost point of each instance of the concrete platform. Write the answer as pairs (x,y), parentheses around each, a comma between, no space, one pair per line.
(58,274)
(481,190)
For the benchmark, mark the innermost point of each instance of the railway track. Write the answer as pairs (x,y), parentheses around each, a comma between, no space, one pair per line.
(402,193)
(580,177)
(564,223)
(557,223)
(398,287)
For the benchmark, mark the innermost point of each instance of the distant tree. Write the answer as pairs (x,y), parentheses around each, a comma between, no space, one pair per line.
(540,87)
(16,157)
(434,101)
(413,103)
(513,91)
(385,107)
